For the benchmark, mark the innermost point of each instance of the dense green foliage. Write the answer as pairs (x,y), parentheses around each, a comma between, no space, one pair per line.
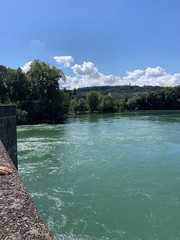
(92,99)
(165,98)
(39,99)
(36,93)
(116,91)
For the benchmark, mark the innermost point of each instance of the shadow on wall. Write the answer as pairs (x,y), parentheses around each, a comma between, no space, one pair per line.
(8,134)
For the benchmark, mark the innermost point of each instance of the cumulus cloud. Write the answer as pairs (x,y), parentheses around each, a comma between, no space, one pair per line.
(155,72)
(87,69)
(133,76)
(26,67)
(70,83)
(87,75)
(152,76)
(65,60)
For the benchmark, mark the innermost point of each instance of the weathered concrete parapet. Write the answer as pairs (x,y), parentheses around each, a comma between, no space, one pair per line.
(19,218)
(8,130)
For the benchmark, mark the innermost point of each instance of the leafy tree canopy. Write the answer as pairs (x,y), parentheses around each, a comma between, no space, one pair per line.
(36,93)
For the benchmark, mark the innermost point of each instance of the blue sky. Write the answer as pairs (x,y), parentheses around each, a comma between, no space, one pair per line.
(95,42)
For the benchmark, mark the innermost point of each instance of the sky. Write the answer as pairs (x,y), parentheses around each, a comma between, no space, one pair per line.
(95,42)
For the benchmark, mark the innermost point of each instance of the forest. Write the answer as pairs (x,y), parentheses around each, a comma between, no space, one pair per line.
(40,100)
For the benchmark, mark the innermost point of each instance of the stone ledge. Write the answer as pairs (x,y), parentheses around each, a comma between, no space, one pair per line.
(19,218)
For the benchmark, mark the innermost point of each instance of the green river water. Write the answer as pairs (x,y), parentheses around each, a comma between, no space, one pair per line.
(113,176)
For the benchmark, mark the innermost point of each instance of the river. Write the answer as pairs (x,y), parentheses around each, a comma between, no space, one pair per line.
(112,176)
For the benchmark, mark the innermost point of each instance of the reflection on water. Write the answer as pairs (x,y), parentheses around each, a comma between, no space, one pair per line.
(113,176)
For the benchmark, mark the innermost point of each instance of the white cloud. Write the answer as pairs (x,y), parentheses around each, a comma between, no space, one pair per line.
(87,68)
(88,75)
(65,60)
(174,80)
(36,44)
(133,76)
(70,83)
(152,76)
(26,67)
(155,72)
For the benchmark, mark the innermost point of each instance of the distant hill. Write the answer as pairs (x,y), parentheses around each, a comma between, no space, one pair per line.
(117,91)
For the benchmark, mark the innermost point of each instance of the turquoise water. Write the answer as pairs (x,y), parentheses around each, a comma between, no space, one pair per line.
(105,176)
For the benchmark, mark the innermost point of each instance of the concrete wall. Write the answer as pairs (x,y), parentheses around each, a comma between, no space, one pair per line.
(19,218)
(8,130)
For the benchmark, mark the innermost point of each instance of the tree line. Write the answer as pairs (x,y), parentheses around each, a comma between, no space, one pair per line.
(35,93)
(39,99)
(165,99)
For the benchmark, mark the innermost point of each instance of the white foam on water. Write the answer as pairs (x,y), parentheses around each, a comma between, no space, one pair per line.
(58,203)
(73,237)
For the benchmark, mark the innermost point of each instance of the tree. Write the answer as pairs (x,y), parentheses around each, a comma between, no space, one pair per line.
(17,85)
(65,102)
(4,97)
(121,105)
(45,93)
(131,104)
(82,106)
(73,106)
(106,104)
(171,98)
(92,99)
